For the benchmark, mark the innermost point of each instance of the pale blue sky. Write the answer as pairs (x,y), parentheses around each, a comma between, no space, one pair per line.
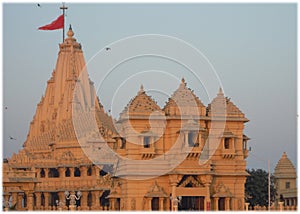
(253,48)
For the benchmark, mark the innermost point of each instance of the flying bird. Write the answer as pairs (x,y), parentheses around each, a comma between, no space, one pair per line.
(108,49)
(10,137)
(39,5)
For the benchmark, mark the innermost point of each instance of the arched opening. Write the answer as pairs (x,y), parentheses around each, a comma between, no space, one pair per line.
(53,173)
(42,173)
(67,172)
(77,172)
(89,171)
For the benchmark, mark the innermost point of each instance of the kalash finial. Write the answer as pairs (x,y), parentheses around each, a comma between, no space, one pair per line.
(70,32)
(182,80)
(141,89)
(220,91)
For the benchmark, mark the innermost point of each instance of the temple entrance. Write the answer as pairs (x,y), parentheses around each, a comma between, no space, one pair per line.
(221,204)
(190,203)
(155,203)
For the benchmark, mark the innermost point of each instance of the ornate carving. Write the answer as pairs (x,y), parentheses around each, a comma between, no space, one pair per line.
(190,181)
(132,204)
(67,156)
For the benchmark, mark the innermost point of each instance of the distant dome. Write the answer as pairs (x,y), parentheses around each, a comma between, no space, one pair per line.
(285,168)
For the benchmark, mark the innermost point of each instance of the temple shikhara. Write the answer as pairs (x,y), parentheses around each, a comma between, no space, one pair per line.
(184,156)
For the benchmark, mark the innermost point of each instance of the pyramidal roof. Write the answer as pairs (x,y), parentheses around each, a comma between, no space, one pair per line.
(285,168)
(52,121)
(184,101)
(222,106)
(141,105)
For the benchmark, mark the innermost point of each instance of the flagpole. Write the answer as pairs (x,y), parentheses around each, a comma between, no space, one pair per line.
(64,8)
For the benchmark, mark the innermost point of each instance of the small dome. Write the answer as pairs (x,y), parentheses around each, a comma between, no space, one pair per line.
(285,168)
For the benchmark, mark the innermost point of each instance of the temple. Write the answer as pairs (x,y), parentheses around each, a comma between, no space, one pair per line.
(184,156)
(285,181)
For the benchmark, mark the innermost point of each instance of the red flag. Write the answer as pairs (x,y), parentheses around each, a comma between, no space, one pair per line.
(56,24)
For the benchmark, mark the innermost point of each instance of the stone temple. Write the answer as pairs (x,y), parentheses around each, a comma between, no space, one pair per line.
(184,156)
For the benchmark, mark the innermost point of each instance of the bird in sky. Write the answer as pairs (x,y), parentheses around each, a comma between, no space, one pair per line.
(12,138)
(39,5)
(108,49)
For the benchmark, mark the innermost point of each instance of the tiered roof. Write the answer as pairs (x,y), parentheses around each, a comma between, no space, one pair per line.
(184,102)
(285,168)
(141,105)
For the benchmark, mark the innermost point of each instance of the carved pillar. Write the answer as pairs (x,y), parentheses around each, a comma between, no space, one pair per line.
(62,171)
(38,200)
(29,201)
(246,206)
(112,203)
(173,195)
(62,199)
(216,200)
(19,203)
(97,170)
(46,195)
(95,200)
(14,198)
(227,203)
(161,204)
(46,170)
(71,171)
(150,204)
(83,201)
(207,197)
(6,201)
(280,205)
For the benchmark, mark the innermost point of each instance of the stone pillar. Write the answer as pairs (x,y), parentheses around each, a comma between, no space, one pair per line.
(14,198)
(46,170)
(173,195)
(207,198)
(280,206)
(216,200)
(62,172)
(96,170)
(83,171)
(150,204)
(62,199)
(71,171)
(247,206)
(19,203)
(227,204)
(6,201)
(46,195)
(112,203)
(38,200)
(161,204)
(29,201)
(83,201)
(95,200)
(186,139)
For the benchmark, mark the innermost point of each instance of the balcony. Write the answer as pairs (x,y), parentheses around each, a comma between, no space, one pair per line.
(147,153)
(228,153)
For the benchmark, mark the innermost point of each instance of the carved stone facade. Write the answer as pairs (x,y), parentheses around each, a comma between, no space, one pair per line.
(196,154)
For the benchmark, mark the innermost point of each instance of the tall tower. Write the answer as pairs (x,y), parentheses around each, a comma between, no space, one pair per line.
(52,160)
